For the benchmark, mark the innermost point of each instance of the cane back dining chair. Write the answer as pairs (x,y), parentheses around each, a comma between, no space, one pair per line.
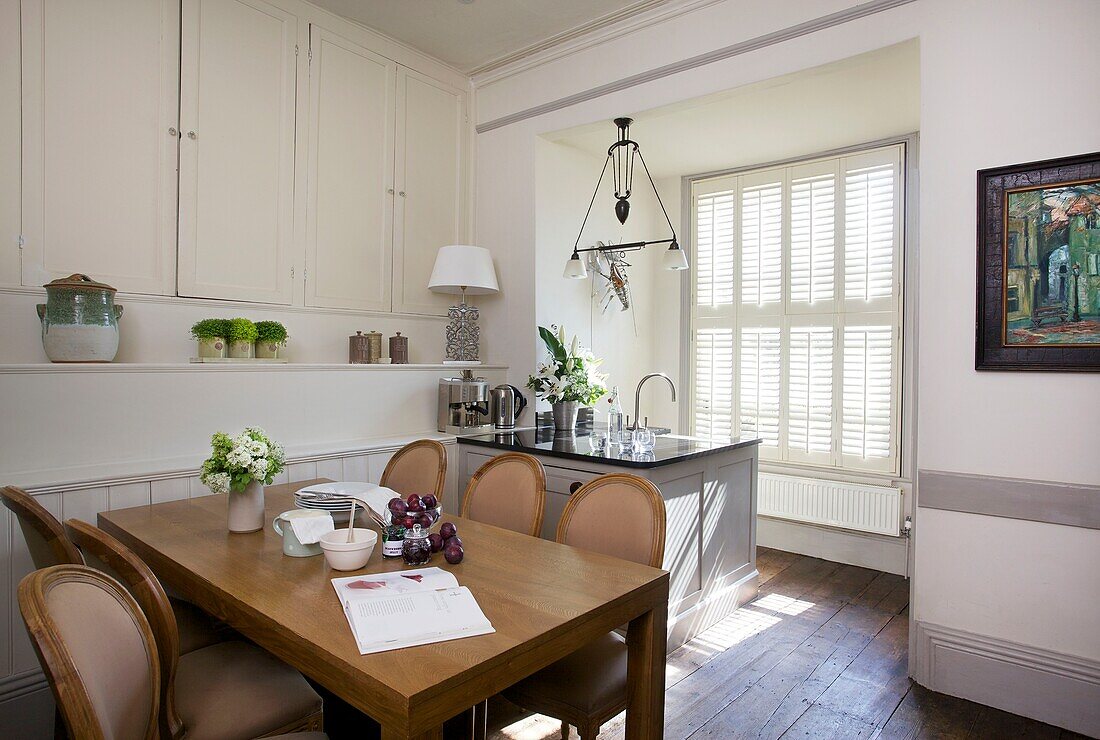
(419,467)
(508,491)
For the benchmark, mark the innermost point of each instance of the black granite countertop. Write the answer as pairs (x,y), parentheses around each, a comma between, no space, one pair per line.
(577,446)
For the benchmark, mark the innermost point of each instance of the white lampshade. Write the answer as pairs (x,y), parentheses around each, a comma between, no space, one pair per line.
(459,266)
(674,258)
(574,268)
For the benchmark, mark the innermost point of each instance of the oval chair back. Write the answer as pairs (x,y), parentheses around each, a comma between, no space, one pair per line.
(98,652)
(45,536)
(508,491)
(634,508)
(107,555)
(419,467)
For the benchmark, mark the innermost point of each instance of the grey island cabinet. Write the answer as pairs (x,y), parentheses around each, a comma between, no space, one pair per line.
(709,489)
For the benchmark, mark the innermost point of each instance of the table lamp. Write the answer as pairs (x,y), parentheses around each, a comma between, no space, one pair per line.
(461,269)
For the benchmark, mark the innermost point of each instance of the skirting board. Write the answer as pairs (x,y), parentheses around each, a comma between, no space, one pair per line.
(888,554)
(1060,689)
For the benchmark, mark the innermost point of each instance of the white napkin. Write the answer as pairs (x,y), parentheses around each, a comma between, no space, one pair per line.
(379,498)
(310,529)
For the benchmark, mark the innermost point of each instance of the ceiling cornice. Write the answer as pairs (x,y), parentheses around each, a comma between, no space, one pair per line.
(633,18)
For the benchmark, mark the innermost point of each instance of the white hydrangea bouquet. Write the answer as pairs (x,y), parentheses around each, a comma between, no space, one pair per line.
(569,374)
(238,461)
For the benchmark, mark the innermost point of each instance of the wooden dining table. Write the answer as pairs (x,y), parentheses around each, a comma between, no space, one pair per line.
(544,599)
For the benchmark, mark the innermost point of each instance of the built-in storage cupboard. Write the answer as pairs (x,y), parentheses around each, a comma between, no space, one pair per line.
(235,149)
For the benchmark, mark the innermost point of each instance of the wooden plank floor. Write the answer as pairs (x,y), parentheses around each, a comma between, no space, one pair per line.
(821,652)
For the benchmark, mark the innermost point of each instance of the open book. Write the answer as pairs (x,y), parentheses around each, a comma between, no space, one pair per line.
(387,611)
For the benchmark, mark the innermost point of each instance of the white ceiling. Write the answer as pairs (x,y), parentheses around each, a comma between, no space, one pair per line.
(856,100)
(468,35)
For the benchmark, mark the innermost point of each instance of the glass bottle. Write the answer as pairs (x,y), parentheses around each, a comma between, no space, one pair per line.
(614,418)
(417,548)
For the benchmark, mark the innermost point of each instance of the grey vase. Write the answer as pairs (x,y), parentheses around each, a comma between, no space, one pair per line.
(565,415)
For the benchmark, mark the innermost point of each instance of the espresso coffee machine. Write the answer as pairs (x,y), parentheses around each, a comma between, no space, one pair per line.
(464,404)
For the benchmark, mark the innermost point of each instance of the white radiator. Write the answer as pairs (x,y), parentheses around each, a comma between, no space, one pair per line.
(855,506)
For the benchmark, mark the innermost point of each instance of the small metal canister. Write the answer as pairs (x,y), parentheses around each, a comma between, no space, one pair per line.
(374,346)
(358,352)
(399,350)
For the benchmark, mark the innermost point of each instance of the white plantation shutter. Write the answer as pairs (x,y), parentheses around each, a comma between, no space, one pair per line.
(870,231)
(714,383)
(868,394)
(797,313)
(813,206)
(762,244)
(810,395)
(758,389)
(714,249)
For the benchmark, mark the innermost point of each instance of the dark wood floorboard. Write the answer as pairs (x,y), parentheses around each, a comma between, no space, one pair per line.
(821,652)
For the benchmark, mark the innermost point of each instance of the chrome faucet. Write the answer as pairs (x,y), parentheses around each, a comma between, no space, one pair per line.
(638,395)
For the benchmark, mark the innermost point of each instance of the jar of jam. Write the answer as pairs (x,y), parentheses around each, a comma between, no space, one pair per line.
(417,548)
(393,538)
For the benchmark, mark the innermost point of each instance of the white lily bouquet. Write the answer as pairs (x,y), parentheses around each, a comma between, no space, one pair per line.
(568,374)
(238,461)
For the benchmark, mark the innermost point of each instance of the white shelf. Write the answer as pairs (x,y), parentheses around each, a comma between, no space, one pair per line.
(188,367)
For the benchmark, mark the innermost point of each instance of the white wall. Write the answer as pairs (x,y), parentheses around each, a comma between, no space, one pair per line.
(979,59)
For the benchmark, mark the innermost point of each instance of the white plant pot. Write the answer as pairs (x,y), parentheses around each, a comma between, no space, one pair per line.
(242,350)
(216,347)
(246,509)
(267,350)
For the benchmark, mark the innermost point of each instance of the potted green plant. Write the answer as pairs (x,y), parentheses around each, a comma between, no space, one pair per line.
(270,336)
(242,338)
(211,335)
(567,379)
(241,466)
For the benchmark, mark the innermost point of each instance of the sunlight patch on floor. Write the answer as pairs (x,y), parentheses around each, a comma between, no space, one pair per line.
(735,629)
(782,604)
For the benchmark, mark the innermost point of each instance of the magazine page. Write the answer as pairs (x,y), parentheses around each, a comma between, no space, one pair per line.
(356,588)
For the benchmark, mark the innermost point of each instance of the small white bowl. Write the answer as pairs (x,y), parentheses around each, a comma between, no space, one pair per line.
(343,555)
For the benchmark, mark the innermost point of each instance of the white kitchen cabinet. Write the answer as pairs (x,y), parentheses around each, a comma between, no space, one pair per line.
(430,209)
(349,216)
(99,118)
(10,144)
(237,119)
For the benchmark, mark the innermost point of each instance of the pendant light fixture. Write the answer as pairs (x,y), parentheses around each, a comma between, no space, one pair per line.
(620,157)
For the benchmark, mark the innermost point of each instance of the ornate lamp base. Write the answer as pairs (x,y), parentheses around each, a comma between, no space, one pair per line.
(463,333)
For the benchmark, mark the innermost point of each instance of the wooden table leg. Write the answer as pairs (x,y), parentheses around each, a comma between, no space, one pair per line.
(646,641)
(389,733)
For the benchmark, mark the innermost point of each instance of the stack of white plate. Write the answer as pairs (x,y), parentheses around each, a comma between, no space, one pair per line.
(340,505)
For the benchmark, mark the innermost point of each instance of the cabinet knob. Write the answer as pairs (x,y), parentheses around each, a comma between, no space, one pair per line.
(401,193)
(574,486)
(172,132)
(389,190)
(191,135)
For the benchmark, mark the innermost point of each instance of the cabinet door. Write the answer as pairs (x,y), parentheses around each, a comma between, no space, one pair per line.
(349,216)
(237,93)
(100,110)
(430,209)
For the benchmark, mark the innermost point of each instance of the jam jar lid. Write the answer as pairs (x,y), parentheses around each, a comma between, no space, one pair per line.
(78,281)
(416,533)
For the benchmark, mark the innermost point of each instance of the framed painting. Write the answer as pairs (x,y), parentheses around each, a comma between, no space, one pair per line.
(1039,266)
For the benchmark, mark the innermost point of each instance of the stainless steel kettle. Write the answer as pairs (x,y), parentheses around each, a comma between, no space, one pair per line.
(506,403)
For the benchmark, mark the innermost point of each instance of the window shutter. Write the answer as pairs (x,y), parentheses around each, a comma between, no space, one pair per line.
(759,384)
(762,244)
(714,383)
(812,239)
(714,249)
(868,392)
(810,393)
(869,231)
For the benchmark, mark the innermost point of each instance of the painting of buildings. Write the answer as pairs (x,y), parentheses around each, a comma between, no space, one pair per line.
(1052,265)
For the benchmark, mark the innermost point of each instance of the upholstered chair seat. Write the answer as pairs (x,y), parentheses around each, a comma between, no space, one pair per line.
(235,690)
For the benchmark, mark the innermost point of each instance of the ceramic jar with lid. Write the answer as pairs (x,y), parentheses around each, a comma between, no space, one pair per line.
(399,350)
(79,320)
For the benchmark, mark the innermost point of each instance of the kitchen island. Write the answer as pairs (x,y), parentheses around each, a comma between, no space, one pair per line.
(709,489)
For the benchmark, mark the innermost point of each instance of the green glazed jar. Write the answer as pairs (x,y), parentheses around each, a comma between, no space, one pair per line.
(79,320)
